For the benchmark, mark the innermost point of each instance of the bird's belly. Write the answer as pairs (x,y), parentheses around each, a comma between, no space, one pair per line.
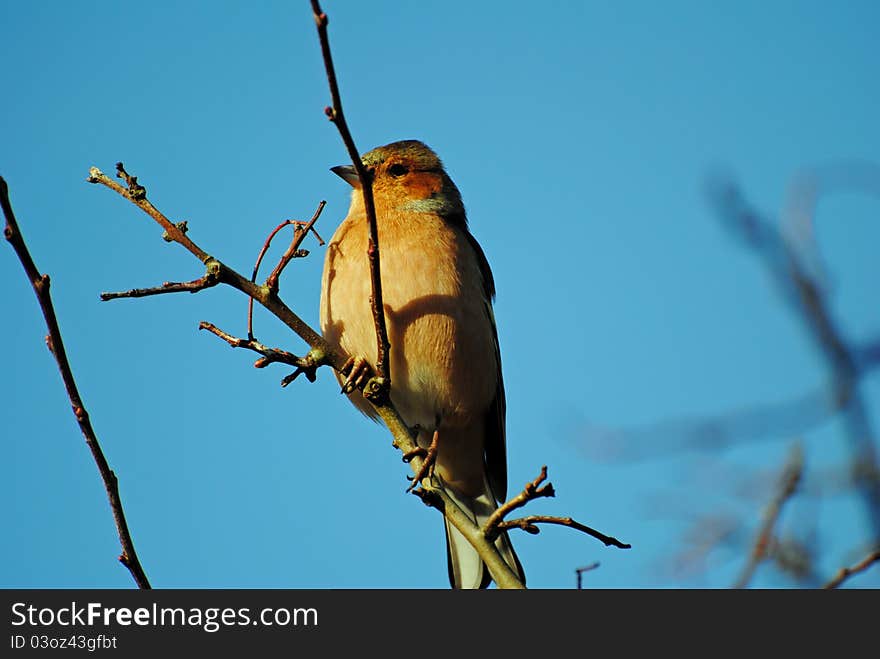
(442,360)
(438,373)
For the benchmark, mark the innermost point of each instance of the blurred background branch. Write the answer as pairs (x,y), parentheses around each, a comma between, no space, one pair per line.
(784,260)
(789,250)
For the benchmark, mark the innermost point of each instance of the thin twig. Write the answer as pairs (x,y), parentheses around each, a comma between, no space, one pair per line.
(532,490)
(41,283)
(293,250)
(137,195)
(300,231)
(528,524)
(194,286)
(378,388)
(268,241)
(269,355)
(846,572)
(335,114)
(763,544)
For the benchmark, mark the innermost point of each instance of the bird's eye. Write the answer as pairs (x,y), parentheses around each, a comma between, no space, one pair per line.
(397,170)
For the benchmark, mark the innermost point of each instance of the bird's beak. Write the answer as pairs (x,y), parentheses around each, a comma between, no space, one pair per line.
(347,173)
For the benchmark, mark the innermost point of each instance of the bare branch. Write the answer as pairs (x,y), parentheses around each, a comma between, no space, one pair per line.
(194,286)
(534,490)
(300,231)
(137,194)
(299,234)
(335,115)
(788,482)
(528,524)
(224,274)
(304,365)
(40,283)
(846,572)
(531,491)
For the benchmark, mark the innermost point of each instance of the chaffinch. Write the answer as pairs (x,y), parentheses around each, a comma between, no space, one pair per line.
(444,361)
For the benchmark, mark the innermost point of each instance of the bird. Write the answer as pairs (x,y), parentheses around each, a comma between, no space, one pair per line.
(444,359)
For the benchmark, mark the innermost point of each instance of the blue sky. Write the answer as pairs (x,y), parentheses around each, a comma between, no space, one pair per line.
(581,135)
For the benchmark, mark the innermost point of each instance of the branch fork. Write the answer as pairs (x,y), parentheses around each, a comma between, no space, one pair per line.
(307,365)
(534,490)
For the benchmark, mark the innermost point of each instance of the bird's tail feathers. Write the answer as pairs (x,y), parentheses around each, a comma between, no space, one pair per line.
(466,568)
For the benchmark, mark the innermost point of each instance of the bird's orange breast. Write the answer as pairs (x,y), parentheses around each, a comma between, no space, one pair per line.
(442,359)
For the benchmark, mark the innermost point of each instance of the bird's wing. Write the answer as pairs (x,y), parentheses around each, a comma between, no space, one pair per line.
(485,270)
(494,422)
(496,449)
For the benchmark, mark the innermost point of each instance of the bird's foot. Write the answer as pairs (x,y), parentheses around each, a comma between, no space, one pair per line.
(429,455)
(357,371)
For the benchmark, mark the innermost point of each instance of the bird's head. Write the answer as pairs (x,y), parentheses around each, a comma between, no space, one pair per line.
(407,176)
